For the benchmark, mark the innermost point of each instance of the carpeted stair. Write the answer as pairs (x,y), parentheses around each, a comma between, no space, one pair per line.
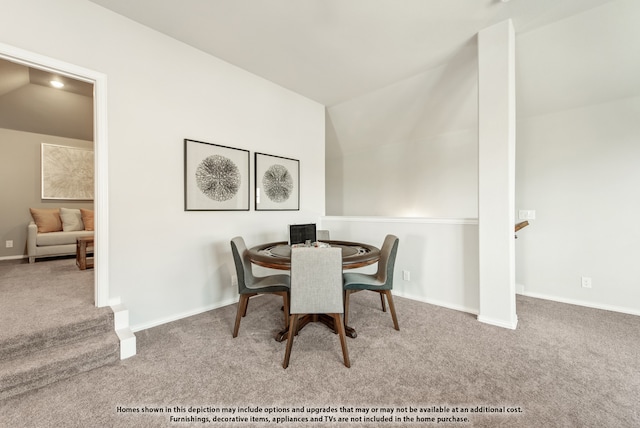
(38,358)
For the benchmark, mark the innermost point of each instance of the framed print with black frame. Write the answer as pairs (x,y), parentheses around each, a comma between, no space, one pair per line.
(277,183)
(216,178)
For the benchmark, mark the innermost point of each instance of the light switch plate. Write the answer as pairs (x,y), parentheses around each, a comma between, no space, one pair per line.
(527,214)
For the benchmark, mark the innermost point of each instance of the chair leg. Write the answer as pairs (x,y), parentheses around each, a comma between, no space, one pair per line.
(343,339)
(285,309)
(242,309)
(293,325)
(392,308)
(347,293)
(384,307)
(244,313)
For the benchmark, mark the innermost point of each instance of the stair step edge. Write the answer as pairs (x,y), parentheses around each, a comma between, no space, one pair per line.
(57,359)
(18,346)
(59,375)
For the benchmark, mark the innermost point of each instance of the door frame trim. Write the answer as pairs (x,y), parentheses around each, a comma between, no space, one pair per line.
(100,146)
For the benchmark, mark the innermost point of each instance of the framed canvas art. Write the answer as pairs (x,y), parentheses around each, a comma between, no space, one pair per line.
(216,178)
(277,183)
(67,172)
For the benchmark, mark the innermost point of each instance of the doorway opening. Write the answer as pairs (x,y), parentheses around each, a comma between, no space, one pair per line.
(98,80)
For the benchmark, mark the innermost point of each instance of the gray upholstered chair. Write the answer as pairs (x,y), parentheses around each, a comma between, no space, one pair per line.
(322,235)
(380,282)
(250,285)
(316,288)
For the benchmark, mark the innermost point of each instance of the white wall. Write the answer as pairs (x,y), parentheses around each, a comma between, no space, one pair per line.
(578,151)
(409,149)
(441,256)
(579,170)
(165,262)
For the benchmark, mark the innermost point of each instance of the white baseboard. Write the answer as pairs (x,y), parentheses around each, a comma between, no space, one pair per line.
(127,343)
(177,317)
(12,257)
(582,303)
(126,336)
(447,305)
(499,323)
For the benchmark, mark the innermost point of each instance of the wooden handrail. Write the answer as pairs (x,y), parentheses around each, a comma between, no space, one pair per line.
(521,225)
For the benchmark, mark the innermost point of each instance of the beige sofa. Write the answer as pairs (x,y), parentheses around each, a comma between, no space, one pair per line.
(51,243)
(55,242)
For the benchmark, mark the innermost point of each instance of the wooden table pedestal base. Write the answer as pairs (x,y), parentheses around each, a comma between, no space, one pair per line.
(321,318)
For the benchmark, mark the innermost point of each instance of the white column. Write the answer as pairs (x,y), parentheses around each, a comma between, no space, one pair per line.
(496,169)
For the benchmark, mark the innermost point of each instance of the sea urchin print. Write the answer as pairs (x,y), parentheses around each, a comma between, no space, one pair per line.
(67,172)
(218,178)
(277,183)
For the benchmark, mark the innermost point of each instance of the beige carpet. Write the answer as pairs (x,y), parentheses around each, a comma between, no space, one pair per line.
(565,366)
(50,329)
(44,293)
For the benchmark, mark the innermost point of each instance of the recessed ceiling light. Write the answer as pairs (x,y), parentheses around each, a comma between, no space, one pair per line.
(57,84)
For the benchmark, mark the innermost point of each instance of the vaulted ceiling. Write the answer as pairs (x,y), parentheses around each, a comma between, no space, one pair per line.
(334,50)
(328,50)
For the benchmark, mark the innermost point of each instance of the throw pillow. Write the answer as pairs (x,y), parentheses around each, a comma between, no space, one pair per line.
(71,219)
(47,219)
(87,218)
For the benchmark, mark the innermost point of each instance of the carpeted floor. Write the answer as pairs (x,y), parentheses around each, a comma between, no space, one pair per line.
(50,329)
(61,293)
(564,366)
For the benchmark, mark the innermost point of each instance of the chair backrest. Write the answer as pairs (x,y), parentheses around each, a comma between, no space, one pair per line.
(242,263)
(316,281)
(322,235)
(387,260)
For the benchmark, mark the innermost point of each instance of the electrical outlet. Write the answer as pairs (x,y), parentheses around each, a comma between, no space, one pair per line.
(9,244)
(586,282)
(406,275)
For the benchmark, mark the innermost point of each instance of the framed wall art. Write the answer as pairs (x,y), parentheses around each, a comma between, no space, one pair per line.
(67,172)
(277,184)
(216,178)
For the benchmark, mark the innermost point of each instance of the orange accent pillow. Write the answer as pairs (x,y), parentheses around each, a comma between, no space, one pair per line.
(47,219)
(87,218)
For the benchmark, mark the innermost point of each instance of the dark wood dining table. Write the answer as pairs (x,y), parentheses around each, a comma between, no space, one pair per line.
(277,255)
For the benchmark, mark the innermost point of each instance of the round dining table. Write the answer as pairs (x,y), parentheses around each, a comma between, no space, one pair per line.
(277,255)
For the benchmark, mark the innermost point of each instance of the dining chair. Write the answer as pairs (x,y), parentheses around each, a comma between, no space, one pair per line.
(250,285)
(380,282)
(322,235)
(316,288)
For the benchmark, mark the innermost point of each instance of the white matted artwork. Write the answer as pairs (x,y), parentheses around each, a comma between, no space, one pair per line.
(67,172)
(277,183)
(216,178)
